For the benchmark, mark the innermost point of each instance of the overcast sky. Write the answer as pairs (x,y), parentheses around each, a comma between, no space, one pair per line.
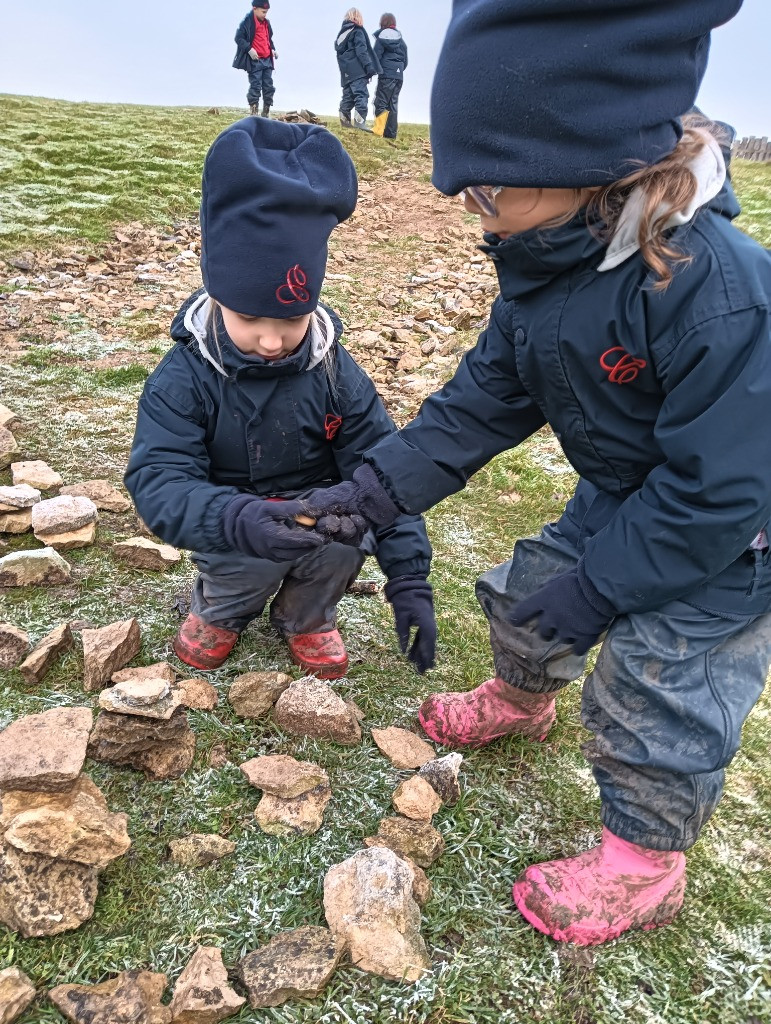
(162,52)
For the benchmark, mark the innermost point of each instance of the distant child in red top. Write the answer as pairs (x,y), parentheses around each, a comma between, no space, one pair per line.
(257,56)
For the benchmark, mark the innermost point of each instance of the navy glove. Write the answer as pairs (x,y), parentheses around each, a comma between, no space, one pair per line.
(413,603)
(568,608)
(266,529)
(363,498)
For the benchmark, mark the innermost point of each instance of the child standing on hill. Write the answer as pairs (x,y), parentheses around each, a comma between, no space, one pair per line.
(358,65)
(391,51)
(634,319)
(258,403)
(257,56)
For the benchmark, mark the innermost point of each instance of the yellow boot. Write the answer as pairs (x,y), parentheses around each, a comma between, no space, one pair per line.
(379,124)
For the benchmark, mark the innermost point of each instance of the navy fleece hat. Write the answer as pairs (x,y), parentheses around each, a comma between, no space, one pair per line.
(265,4)
(272,194)
(565,93)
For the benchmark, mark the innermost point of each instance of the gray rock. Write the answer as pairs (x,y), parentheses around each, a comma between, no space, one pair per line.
(369,905)
(41,568)
(293,965)
(63,514)
(442,776)
(13,499)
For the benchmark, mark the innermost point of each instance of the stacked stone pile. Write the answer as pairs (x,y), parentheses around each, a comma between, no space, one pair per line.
(56,832)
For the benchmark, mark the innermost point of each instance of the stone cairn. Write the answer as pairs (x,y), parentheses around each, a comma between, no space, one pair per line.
(56,832)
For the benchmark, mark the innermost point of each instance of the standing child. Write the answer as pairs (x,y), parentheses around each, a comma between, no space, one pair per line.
(391,51)
(257,56)
(258,402)
(634,319)
(358,65)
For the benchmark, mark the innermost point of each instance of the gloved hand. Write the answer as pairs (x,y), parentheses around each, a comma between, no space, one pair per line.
(413,603)
(265,529)
(568,608)
(364,497)
(253,54)
(348,530)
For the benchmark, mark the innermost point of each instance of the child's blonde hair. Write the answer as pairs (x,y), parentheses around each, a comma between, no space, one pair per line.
(354,14)
(668,187)
(212,334)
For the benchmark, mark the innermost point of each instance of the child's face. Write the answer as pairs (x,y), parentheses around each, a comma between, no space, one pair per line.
(261,13)
(263,335)
(520,209)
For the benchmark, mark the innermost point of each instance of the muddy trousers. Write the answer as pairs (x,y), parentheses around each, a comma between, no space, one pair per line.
(233,589)
(665,702)
(260,82)
(387,99)
(355,96)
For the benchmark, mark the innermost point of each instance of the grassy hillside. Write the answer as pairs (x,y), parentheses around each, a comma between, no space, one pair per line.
(107,190)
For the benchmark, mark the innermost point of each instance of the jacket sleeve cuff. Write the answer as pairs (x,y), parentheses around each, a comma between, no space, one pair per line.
(592,594)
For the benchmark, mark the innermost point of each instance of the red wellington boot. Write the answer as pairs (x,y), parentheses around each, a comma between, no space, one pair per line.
(201,645)
(319,654)
(597,895)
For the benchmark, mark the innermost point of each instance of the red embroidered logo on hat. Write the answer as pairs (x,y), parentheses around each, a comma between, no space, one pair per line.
(622,369)
(294,290)
(331,425)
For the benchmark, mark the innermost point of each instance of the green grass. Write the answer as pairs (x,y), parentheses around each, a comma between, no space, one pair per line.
(522,802)
(73,170)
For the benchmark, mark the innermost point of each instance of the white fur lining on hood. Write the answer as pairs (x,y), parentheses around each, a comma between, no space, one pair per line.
(708,167)
(321,340)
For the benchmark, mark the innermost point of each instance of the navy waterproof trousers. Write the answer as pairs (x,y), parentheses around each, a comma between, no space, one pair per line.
(665,702)
(387,98)
(260,82)
(355,96)
(231,590)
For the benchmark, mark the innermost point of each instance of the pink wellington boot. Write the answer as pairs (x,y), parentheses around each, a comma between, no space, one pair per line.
(492,710)
(598,895)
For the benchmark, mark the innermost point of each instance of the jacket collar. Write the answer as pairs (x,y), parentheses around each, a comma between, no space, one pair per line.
(190,327)
(532,259)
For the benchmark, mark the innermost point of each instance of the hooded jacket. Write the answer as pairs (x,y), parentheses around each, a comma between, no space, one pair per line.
(661,401)
(212,425)
(355,56)
(391,51)
(244,39)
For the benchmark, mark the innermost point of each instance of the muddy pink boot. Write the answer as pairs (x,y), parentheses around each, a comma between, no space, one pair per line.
(492,710)
(597,895)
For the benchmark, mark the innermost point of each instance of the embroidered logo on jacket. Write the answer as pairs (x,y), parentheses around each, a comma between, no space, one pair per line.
(620,366)
(331,425)
(294,290)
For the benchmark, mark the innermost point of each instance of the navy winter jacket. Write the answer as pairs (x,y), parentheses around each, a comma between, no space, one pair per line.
(272,429)
(662,400)
(355,56)
(391,51)
(244,40)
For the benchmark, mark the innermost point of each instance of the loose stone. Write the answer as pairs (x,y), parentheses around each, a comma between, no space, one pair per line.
(403,748)
(283,776)
(293,965)
(141,553)
(106,650)
(202,994)
(309,707)
(198,850)
(42,568)
(414,839)
(14,644)
(16,991)
(102,493)
(37,474)
(369,905)
(45,751)
(416,799)
(253,694)
(37,665)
